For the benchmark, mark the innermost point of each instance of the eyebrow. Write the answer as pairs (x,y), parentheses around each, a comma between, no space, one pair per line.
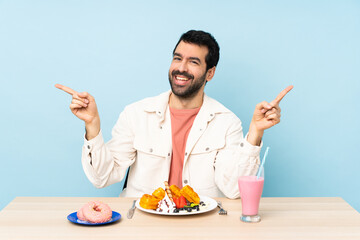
(191,58)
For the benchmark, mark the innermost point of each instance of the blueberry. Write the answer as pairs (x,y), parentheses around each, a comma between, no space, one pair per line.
(189,209)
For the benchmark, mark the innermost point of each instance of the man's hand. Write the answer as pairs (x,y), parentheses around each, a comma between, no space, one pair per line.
(84,107)
(265,116)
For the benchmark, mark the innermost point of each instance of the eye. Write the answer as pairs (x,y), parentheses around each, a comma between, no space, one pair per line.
(195,62)
(176,58)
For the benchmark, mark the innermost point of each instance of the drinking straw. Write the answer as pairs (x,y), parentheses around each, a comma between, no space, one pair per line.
(262,163)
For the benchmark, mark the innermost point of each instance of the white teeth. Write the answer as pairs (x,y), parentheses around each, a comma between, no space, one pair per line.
(182,79)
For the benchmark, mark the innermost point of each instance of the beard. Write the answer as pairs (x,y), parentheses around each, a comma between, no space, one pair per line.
(186,92)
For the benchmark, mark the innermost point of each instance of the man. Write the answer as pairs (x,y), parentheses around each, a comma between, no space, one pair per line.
(182,135)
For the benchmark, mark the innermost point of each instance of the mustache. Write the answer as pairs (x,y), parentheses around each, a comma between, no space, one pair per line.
(177,72)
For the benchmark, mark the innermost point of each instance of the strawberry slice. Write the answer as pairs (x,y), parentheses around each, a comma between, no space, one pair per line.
(177,202)
(182,201)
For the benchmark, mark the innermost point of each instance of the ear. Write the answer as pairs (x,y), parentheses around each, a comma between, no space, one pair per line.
(210,73)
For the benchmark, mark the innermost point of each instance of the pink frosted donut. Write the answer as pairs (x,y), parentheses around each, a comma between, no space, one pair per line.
(96,212)
(80,214)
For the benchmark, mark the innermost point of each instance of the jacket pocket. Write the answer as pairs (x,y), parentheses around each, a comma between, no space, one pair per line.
(205,146)
(201,164)
(151,165)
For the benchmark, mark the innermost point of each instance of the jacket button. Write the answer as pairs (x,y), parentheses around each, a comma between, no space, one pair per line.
(211,115)
(241,144)
(207,149)
(185,181)
(169,154)
(186,154)
(151,150)
(88,146)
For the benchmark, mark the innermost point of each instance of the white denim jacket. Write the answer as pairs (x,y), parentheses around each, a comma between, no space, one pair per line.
(216,152)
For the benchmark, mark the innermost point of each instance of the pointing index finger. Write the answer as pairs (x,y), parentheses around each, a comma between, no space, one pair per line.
(65,89)
(281,95)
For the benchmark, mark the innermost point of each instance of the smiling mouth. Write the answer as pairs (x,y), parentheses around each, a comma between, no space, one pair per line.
(181,76)
(184,79)
(181,80)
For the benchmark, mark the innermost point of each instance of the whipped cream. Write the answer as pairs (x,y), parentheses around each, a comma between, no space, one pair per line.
(165,204)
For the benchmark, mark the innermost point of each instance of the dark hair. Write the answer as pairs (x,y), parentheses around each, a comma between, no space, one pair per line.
(202,38)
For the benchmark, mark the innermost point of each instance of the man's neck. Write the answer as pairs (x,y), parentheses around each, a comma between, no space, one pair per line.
(186,103)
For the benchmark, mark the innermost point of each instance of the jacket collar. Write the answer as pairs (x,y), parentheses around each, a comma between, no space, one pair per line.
(158,104)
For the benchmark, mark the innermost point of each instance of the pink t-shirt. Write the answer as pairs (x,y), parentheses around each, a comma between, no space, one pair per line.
(181,123)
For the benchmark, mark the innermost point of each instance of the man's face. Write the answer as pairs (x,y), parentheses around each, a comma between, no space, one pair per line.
(187,73)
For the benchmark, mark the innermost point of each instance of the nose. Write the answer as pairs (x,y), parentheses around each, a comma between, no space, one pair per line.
(182,66)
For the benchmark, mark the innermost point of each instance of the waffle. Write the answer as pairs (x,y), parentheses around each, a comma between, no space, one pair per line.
(159,193)
(190,194)
(175,191)
(149,201)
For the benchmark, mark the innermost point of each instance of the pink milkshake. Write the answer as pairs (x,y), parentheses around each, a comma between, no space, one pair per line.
(250,192)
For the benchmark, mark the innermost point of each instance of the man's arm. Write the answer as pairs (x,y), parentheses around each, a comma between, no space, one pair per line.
(240,156)
(103,164)
(237,158)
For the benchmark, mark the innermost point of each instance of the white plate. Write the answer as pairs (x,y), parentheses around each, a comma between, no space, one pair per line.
(211,204)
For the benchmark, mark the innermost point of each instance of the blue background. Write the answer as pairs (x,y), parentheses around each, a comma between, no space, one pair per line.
(120,52)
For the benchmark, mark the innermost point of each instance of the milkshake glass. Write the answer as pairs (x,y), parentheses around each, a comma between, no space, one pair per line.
(250,188)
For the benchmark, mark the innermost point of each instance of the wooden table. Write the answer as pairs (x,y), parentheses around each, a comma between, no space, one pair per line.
(282,218)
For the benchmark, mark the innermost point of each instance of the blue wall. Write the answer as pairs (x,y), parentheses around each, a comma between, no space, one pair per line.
(120,52)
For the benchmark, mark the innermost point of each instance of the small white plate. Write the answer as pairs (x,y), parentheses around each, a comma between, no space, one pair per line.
(210,204)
